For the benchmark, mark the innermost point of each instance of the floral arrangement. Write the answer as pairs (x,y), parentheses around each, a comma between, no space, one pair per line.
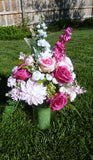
(44,75)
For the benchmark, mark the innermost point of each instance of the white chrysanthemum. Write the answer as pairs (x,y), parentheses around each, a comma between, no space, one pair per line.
(11,82)
(15,94)
(49,77)
(32,92)
(43,43)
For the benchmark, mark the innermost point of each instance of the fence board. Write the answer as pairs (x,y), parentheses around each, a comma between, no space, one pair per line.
(11,12)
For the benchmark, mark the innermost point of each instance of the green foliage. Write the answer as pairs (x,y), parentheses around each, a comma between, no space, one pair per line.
(19,62)
(64,23)
(69,137)
(14,32)
(51,89)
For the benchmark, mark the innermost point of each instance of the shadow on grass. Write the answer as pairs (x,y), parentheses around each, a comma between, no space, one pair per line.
(3,90)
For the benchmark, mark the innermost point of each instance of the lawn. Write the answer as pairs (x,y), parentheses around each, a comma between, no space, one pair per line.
(69,137)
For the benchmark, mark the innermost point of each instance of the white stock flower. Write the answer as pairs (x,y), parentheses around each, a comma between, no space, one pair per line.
(11,82)
(36,76)
(43,43)
(45,54)
(41,33)
(44,26)
(49,77)
(38,26)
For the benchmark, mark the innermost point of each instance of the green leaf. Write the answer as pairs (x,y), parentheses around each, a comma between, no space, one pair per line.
(9,110)
(19,62)
(73,108)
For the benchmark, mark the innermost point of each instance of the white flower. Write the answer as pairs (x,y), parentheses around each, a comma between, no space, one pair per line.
(32,92)
(42,76)
(73,75)
(54,81)
(36,76)
(72,96)
(44,26)
(11,82)
(15,67)
(45,54)
(43,43)
(49,77)
(41,33)
(22,56)
(62,89)
(38,26)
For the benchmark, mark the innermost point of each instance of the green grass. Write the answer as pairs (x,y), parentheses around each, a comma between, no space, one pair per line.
(69,137)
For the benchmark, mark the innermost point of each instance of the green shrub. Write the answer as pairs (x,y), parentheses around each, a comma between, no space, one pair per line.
(14,32)
(64,23)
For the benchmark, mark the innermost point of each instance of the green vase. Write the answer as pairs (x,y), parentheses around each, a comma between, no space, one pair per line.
(42,117)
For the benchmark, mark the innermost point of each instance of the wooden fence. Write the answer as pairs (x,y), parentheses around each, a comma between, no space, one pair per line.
(12,12)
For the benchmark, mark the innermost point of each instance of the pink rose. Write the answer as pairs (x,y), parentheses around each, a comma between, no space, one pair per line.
(63,75)
(20,73)
(47,64)
(59,101)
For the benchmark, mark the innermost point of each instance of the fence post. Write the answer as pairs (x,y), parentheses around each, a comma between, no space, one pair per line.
(23,11)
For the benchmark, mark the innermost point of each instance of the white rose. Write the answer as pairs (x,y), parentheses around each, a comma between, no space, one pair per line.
(62,89)
(36,75)
(49,77)
(54,81)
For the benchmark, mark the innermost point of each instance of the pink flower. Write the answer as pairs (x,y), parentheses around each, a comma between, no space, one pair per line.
(66,61)
(59,101)
(63,75)
(47,64)
(20,73)
(32,92)
(15,94)
(29,60)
